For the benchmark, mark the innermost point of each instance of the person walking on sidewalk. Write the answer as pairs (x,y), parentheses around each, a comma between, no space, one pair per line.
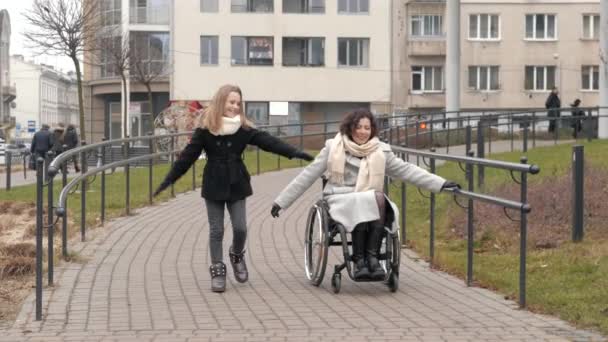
(577,115)
(553,105)
(356,162)
(224,133)
(41,144)
(70,140)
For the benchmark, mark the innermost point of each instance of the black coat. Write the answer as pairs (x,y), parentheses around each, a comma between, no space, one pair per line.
(42,142)
(70,138)
(225,176)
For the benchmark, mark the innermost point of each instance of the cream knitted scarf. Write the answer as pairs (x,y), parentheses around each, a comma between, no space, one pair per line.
(371,170)
(229,125)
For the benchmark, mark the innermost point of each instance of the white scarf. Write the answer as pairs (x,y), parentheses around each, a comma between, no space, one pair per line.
(229,125)
(371,170)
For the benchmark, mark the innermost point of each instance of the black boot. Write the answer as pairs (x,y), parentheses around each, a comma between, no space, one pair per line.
(374,239)
(360,272)
(218,277)
(238,266)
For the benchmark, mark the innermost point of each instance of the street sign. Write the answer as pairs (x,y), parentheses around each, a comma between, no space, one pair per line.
(31,126)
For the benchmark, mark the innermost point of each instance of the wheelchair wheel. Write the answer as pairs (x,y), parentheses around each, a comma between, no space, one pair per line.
(391,247)
(393,281)
(336,282)
(316,243)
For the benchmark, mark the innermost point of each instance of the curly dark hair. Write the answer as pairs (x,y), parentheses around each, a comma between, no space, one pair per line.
(350,121)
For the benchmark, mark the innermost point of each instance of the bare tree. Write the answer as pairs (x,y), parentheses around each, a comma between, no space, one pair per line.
(145,70)
(61,28)
(114,53)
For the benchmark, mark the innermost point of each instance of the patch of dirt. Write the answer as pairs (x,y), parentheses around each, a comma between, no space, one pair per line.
(549,223)
(17,255)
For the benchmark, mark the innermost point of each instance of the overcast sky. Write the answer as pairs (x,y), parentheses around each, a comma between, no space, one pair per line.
(16,8)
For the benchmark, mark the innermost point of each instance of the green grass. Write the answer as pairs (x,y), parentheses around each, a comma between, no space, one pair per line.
(115,202)
(570,281)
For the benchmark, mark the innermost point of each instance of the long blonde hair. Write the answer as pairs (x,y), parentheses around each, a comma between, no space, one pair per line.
(212,116)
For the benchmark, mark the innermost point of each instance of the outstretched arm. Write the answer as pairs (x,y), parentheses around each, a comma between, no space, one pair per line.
(408,172)
(275,145)
(303,181)
(187,157)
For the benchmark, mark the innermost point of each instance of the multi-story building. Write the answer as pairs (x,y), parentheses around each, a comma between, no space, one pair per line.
(512,53)
(48,97)
(7,90)
(146,23)
(295,60)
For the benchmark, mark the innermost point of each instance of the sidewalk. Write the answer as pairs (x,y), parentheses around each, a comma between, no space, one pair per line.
(146,278)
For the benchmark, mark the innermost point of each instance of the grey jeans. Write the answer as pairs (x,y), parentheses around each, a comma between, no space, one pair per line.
(238,217)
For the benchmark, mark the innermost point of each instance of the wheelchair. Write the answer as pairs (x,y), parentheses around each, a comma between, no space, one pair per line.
(323,232)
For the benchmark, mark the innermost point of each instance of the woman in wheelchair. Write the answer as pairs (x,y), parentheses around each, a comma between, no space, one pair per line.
(356,162)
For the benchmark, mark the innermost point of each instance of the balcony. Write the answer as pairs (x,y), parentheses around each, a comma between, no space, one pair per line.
(9,93)
(158,15)
(421,46)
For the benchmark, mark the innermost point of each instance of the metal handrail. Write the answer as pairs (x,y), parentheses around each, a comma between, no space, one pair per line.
(530,168)
(523,207)
(63,196)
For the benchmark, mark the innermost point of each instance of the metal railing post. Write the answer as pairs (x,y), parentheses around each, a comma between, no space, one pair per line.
(150,168)
(511,129)
(468,138)
(103,183)
(51,230)
(470,231)
(480,154)
(533,129)
(301,142)
(578,176)
(523,237)
(432,217)
(83,194)
(64,219)
(9,161)
(525,140)
(172,162)
(127,178)
(39,223)
(403,208)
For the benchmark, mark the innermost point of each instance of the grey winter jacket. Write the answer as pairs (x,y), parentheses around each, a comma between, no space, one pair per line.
(395,168)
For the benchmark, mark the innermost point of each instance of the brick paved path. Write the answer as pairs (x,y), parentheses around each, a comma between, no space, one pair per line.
(147,279)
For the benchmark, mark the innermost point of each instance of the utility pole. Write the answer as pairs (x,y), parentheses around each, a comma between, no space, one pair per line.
(452,86)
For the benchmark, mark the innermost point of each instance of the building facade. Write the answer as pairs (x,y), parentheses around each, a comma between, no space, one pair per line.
(48,97)
(7,89)
(295,60)
(146,24)
(512,53)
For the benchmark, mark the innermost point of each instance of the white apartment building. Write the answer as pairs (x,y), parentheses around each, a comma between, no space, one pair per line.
(512,53)
(295,60)
(47,97)
(146,23)
(7,89)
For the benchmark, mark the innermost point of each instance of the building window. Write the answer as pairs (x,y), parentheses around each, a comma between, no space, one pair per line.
(209,50)
(149,12)
(353,52)
(252,50)
(541,26)
(260,6)
(427,79)
(110,12)
(107,62)
(151,51)
(591,26)
(257,112)
(353,6)
(591,77)
(539,78)
(483,78)
(209,6)
(484,26)
(303,6)
(426,25)
(303,51)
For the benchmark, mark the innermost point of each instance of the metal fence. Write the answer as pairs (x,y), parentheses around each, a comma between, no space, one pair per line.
(400,136)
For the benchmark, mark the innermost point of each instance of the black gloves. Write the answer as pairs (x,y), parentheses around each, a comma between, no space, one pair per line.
(275,210)
(160,188)
(303,155)
(449,185)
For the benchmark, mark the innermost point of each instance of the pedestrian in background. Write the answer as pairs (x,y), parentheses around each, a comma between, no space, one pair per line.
(553,105)
(42,142)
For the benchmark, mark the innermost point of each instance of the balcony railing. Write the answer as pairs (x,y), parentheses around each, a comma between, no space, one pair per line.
(159,15)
